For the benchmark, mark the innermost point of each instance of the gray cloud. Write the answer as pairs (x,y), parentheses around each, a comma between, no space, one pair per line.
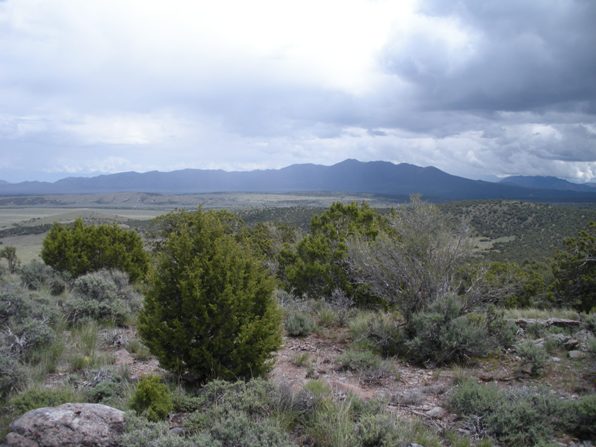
(513,55)
(475,88)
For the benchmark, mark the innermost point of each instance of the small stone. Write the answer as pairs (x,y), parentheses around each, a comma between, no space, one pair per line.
(436,412)
(576,354)
(555,359)
(180,431)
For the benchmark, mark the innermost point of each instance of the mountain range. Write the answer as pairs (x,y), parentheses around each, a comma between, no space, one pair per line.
(348,176)
(547,182)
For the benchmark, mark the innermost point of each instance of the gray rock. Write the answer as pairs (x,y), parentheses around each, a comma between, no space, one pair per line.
(436,412)
(68,425)
(576,354)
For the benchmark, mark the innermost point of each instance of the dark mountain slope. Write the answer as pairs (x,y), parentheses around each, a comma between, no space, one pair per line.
(350,176)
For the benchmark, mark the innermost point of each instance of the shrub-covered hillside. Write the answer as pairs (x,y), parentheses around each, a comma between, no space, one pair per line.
(522,231)
(363,329)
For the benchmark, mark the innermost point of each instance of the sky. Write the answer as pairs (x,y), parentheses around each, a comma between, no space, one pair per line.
(481,89)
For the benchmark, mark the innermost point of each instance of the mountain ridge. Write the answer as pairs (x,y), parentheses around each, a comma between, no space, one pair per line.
(547,182)
(349,176)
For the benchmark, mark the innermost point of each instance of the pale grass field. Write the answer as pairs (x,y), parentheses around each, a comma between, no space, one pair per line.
(29,246)
(39,216)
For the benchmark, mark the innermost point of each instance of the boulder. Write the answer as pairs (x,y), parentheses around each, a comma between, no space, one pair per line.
(68,425)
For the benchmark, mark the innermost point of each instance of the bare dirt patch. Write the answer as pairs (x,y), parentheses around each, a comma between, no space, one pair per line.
(408,390)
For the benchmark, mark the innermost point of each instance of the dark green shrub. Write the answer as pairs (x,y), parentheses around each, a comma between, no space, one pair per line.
(520,423)
(209,309)
(104,391)
(111,391)
(235,428)
(358,361)
(508,284)
(10,254)
(185,402)
(57,286)
(139,432)
(589,321)
(471,398)
(413,262)
(18,304)
(239,413)
(26,319)
(298,323)
(138,350)
(318,265)
(574,271)
(368,365)
(102,296)
(12,374)
(26,337)
(379,331)
(444,333)
(80,310)
(38,397)
(502,331)
(448,332)
(524,416)
(104,285)
(12,304)
(152,399)
(375,430)
(81,249)
(327,317)
(533,357)
(36,274)
(256,397)
(578,416)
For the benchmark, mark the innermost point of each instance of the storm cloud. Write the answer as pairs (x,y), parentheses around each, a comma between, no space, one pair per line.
(479,89)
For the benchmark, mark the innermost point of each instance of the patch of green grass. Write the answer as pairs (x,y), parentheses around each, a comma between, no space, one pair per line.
(138,350)
(302,360)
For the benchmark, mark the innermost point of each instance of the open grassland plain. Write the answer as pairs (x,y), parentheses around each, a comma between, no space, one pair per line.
(504,230)
(25,220)
(25,228)
(174,201)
